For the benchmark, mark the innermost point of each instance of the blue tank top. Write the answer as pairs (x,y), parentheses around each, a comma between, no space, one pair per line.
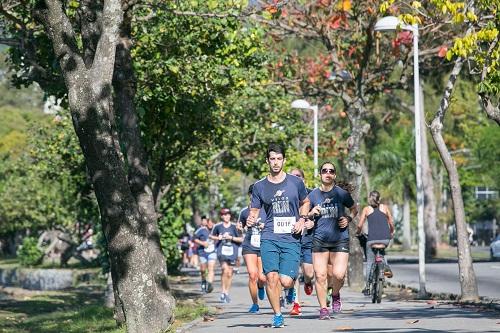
(378,227)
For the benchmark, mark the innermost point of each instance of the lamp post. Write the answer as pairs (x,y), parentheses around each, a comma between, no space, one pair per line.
(303,104)
(391,23)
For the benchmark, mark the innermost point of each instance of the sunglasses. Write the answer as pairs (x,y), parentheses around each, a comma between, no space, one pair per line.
(325,171)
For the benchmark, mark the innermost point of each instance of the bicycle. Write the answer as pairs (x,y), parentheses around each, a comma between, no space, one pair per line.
(377,277)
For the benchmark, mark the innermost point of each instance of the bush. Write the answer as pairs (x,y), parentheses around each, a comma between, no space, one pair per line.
(29,254)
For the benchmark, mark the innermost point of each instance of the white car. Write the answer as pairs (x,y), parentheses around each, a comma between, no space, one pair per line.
(495,249)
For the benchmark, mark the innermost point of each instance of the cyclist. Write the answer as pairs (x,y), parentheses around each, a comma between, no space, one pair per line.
(251,254)
(380,232)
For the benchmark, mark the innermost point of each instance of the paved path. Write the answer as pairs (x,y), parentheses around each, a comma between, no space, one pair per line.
(443,277)
(358,314)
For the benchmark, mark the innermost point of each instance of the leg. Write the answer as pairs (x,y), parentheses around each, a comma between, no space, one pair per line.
(339,262)
(320,264)
(253,275)
(211,270)
(227,276)
(370,259)
(270,265)
(273,289)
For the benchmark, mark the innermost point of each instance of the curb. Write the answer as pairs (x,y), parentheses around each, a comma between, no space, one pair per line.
(489,303)
(186,327)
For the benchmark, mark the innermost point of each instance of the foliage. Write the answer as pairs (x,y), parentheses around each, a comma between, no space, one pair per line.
(47,186)
(29,254)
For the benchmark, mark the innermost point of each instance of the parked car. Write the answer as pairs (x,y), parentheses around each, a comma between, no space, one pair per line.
(495,249)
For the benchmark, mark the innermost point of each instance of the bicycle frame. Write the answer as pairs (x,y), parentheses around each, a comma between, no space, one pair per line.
(376,277)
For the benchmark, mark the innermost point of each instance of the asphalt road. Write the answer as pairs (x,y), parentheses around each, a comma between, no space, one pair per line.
(443,277)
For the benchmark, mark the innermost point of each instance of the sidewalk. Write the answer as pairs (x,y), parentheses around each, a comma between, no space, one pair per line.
(358,314)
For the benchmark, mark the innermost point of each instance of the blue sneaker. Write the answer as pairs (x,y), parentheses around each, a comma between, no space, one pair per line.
(262,293)
(254,308)
(278,321)
(290,297)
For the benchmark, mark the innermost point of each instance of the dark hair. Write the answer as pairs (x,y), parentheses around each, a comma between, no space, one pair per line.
(300,171)
(203,217)
(250,189)
(374,199)
(277,148)
(327,162)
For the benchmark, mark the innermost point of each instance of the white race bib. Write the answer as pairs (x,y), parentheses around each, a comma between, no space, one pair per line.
(211,247)
(283,225)
(255,240)
(227,250)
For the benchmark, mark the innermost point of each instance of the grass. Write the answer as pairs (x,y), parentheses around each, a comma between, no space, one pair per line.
(188,310)
(79,310)
(442,253)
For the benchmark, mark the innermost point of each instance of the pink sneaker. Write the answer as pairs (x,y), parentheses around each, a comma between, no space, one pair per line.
(336,303)
(324,314)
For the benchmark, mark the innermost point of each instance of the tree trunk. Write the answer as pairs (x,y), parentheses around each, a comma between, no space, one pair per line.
(406,219)
(467,276)
(429,197)
(137,264)
(355,174)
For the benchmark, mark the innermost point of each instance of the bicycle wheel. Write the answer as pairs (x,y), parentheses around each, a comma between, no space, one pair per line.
(375,283)
(380,286)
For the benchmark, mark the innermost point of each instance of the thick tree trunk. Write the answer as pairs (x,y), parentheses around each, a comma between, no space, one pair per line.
(467,276)
(430,218)
(129,223)
(355,174)
(406,219)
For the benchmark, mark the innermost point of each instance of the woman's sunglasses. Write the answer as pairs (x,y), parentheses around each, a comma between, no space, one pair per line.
(325,171)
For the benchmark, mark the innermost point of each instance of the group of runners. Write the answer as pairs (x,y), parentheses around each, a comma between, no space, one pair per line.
(289,229)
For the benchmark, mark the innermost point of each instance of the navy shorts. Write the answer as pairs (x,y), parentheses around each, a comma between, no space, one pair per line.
(281,257)
(306,254)
(249,250)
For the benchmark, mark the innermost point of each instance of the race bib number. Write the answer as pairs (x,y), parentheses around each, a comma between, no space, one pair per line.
(283,225)
(255,240)
(227,250)
(210,248)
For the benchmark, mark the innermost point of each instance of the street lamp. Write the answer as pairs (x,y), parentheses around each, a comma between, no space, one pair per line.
(303,104)
(391,23)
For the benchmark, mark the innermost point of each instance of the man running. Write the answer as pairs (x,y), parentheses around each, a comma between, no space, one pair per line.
(284,199)
(305,259)
(227,237)
(251,254)
(331,236)
(206,252)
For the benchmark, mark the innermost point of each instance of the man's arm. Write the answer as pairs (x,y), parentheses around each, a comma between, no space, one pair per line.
(303,211)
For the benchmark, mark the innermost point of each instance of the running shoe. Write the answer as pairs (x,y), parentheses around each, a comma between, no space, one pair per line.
(254,308)
(278,321)
(228,299)
(203,286)
(308,288)
(296,309)
(336,303)
(236,270)
(324,314)
(210,287)
(261,293)
(222,298)
(329,293)
(290,296)
(366,291)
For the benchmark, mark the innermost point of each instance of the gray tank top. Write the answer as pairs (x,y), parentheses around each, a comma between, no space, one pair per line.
(378,227)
